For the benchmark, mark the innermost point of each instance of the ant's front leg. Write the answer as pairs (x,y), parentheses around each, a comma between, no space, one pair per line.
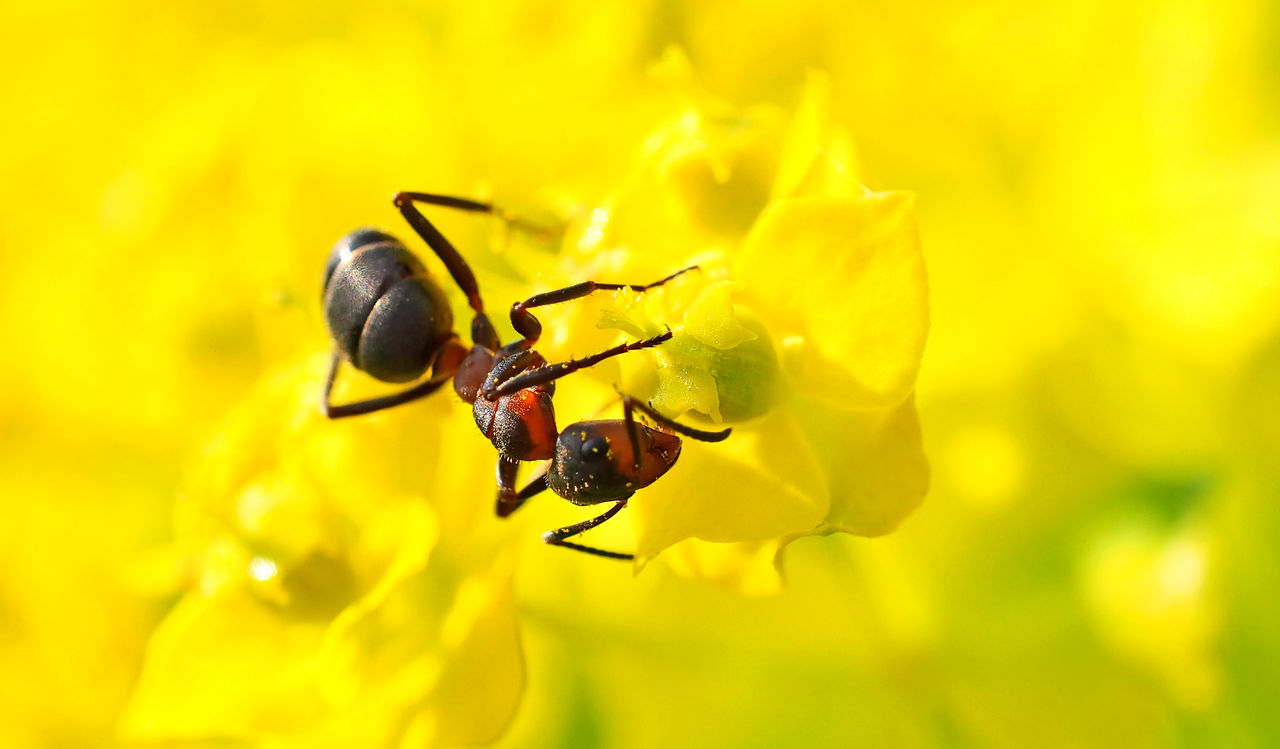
(557,537)
(509,500)
(498,386)
(528,326)
(630,405)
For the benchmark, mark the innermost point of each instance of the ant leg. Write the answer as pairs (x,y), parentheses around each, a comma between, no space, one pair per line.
(528,326)
(506,473)
(443,248)
(508,499)
(629,405)
(482,330)
(551,372)
(422,389)
(475,206)
(557,537)
(534,487)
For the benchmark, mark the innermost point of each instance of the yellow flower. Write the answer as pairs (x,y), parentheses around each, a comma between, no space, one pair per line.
(804,330)
(344,580)
(325,607)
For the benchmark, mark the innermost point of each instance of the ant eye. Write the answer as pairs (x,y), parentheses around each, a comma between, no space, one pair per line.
(595,448)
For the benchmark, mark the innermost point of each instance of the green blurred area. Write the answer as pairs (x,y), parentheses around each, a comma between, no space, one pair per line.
(1097,189)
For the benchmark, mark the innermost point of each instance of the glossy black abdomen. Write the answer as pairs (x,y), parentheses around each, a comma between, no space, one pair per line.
(382,309)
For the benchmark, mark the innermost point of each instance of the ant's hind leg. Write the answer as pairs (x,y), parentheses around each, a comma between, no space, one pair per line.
(473,206)
(358,408)
(443,248)
(482,330)
(557,537)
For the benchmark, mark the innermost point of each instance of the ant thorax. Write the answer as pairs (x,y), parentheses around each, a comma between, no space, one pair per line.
(521,425)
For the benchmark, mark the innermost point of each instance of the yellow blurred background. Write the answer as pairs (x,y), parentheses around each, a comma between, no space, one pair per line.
(1097,187)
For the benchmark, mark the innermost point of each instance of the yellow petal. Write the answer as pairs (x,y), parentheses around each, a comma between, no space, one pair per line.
(842,283)
(394,547)
(477,694)
(763,482)
(747,568)
(225,666)
(874,462)
(815,160)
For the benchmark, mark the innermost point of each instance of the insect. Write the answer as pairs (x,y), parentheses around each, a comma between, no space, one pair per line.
(389,318)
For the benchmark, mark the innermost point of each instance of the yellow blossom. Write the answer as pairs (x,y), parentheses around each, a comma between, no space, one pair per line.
(377,594)
(323,606)
(805,330)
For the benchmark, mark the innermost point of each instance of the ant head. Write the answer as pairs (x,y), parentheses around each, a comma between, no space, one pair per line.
(594,461)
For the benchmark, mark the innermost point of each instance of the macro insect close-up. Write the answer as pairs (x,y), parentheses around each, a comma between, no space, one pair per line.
(389,319)
(888,375)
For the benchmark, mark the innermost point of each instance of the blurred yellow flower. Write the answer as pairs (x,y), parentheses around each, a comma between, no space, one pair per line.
(323,607)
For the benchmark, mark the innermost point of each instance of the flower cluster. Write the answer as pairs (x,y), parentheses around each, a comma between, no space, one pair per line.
(357,559)
(804,330)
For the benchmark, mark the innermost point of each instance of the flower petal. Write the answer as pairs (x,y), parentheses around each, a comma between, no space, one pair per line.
(762,483)
(815,159)
(225,666)
(748,568)
(842,283)
(874,462)
(480,688)
(393,548)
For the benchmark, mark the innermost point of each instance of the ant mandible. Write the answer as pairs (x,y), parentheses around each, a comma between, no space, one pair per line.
(389,318)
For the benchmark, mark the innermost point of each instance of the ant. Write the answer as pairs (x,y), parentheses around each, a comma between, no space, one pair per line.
(389,318)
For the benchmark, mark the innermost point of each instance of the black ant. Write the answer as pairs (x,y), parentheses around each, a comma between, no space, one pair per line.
(388,318)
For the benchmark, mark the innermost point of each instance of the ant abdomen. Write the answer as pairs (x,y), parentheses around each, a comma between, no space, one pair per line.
(345,247)
(383,310)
